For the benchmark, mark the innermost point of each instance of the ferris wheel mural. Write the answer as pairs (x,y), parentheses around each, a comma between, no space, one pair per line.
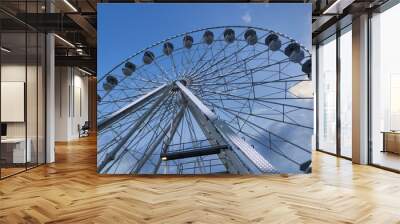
(229,99)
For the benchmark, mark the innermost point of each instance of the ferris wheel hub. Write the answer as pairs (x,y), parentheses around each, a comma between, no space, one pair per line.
(184,82)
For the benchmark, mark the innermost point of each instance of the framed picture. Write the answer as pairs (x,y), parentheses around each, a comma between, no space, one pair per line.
(189,89)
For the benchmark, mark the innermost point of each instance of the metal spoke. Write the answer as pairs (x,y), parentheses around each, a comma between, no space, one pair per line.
(225,105)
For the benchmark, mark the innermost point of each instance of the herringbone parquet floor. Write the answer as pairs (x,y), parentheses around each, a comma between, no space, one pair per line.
(70,191)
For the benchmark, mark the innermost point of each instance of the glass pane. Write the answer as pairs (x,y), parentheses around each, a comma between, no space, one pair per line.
(13,86)
(327,95)
(23,90)
(385,85)
(31,97)
(32,87)
(346,92)
(41,98)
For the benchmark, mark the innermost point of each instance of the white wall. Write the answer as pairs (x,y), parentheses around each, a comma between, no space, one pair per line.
(80,110)
(33,126)
(71,102)
(17,73)
(62,82)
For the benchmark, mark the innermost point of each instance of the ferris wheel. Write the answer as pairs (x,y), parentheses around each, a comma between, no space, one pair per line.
(229,99)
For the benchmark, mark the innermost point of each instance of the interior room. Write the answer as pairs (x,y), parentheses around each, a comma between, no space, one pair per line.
(25,64)
(22,102)
(50,165)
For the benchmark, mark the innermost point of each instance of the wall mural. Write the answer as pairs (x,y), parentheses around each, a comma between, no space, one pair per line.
(234,96)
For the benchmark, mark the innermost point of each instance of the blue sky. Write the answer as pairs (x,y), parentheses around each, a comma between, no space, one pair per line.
(124,29)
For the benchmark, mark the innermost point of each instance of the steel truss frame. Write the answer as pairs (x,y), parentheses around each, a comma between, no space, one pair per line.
(240,149)
(240,157)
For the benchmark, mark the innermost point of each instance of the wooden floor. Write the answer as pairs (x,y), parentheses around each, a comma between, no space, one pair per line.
(387,159)
(5,172)
(70,191)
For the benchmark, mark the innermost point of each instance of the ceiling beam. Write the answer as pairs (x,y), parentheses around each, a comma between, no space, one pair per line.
(83,23)
(338,6)
(76,61)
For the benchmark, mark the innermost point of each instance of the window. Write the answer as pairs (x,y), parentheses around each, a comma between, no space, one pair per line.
(385,89)
(346,92)
(334,63)
(327,95)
